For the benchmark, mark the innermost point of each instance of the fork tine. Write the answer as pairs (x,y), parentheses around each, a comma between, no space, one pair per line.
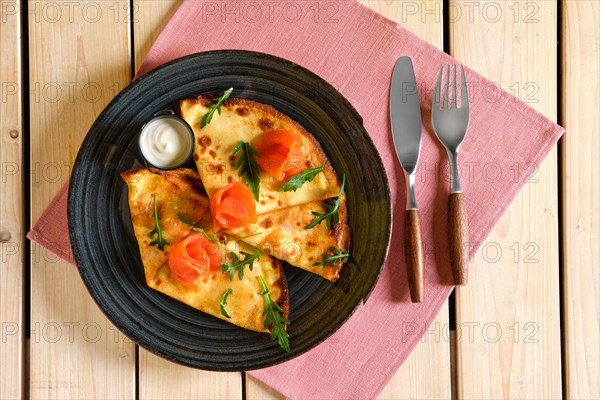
(464,93)
(447,98)
(438,87)
(454,88)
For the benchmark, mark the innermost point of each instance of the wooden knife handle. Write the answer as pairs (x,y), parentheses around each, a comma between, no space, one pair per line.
(415,255)
(458,230)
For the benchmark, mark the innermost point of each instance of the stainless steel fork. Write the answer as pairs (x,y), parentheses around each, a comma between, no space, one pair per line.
(450,124)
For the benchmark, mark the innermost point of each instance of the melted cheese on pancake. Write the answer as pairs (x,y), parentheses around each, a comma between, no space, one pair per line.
(247,120)
(245,305)
(281,233)
(180,192)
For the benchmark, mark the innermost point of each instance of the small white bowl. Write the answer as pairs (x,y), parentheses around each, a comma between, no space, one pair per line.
(166,141)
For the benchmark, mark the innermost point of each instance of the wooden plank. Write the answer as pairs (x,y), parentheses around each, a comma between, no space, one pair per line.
(256,390)
(432,355)
(423,18)
(149,18)
(158,378)
(581,192)
(79,58)
(509,313)
(162,379)
(11,205)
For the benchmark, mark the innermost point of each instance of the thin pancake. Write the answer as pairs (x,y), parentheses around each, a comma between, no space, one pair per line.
(180,192)
(282,234)
(247,120)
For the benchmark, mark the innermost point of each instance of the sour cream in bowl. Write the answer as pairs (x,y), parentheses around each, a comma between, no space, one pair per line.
(166,141)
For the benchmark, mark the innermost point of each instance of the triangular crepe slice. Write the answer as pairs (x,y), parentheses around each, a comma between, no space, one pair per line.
(246,120)
(282,234)
(180,192)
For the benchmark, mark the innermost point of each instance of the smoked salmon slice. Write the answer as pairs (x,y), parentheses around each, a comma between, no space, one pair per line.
(193,256)
(232,206)
(280,154)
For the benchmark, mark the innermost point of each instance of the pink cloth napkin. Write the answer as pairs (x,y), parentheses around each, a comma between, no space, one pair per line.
(355,49)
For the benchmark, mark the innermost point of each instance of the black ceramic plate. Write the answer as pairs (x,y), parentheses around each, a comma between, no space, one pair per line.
(106,251)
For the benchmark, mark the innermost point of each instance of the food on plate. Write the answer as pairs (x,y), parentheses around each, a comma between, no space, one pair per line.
(166,142)
(192,257)
(264,191)
(184,259)
(232,206)
(294,207)
(254,144)
(280,154)
(282,234)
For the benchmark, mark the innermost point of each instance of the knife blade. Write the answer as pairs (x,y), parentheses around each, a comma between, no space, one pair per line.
(405,118)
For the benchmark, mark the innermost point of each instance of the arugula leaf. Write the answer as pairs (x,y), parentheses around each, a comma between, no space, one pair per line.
(332,256)
(223,303)
(197,228)
(249,236)
(331,215)
(216,106)
(274,317)
(160,241)
(187,221)
(248,167)
(296,181)
(238,265)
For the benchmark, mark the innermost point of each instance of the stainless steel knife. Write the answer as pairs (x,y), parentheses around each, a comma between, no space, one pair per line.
(405,117)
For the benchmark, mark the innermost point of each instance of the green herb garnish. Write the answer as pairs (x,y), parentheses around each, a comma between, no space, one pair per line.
(197,228)
(249,236)
(332,256)
(248,167)
(333,206)
(274,317)
(238,265)
(187,221)
(216,106)
(160,241)
(223,303)
(296,181)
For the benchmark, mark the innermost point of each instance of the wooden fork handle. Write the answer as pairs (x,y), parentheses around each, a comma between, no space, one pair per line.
(415,255)
(458,230)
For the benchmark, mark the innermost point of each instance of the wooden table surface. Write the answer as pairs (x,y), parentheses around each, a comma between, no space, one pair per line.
(526,326)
